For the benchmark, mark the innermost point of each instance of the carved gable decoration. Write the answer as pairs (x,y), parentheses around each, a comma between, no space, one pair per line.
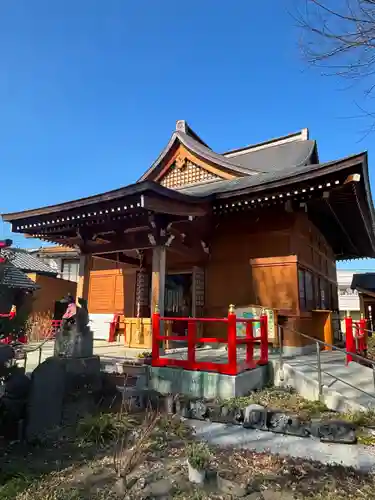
(183,172)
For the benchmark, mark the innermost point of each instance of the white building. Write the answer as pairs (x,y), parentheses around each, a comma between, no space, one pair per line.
(348,298)
(64,260)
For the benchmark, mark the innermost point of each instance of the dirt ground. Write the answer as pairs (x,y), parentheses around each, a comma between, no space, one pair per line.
(94,464)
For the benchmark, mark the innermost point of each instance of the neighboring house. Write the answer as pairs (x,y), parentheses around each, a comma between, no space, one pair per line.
(63,260)
(48,288)
(348,298)
(15,286)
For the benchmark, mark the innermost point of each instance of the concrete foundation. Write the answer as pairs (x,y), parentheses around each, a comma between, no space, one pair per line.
(209,385)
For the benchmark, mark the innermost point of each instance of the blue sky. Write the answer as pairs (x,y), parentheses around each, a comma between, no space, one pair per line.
(90,90)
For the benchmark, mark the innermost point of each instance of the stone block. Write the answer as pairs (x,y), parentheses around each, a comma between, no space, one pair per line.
(277,422)
(183,407)
(232,415)
(62,390)
(255,417)
(337,432)
(198,410)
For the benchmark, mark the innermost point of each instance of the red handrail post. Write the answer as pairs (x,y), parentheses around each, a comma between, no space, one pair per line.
(349,339)
(155,335)
(191,341)
(362,335)
(263,339)
(232,341)
(250,342)
(113,327)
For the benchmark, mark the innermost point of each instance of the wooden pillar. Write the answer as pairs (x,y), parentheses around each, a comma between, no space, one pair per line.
(84,277)
(158,279)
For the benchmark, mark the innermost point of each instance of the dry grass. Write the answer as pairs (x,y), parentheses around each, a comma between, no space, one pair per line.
(301,478)
(38,326)
(286,399)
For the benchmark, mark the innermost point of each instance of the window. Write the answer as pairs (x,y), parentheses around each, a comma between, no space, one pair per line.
(309,288)
(324,294)
(70,270)
(307,297)
(334,297)
(302,290)
(317,292)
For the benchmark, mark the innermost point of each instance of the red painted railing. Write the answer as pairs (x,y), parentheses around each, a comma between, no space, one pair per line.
(355,338)
(232,367)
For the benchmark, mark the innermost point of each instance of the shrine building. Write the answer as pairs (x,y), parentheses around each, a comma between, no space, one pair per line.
(261,226)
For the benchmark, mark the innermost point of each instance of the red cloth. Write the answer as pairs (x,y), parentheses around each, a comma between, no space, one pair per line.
(70,311)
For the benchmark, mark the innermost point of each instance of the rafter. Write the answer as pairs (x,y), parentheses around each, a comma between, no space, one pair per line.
(131,241)
(120,257)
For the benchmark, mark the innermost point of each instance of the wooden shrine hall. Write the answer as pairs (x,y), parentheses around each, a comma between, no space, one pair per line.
(259,227)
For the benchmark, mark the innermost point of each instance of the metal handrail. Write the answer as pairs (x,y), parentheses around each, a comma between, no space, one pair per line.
(334,347)
(318,367)
(39,346)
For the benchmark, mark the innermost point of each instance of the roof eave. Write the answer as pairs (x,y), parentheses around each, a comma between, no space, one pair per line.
(140,188)
(294,178)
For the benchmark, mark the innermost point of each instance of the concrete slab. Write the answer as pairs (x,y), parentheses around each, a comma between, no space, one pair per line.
(345,387)
(357,456)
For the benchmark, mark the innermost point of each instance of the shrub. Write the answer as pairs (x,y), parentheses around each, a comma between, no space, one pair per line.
(144,354)
(199,455)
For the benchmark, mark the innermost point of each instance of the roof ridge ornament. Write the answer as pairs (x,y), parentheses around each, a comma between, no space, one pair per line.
(181,126)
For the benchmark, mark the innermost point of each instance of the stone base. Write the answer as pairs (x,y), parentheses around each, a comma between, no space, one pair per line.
(204,384)
(62,390)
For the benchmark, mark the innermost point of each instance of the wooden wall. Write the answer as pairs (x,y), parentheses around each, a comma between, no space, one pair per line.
(230,277)
(256,261)
(51,289)
(312,249)
(111,288)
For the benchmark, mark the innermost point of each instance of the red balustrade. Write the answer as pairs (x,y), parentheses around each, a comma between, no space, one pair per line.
(232,366)
(355,338)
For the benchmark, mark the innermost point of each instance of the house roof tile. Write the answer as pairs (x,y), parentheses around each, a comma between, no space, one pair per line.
(12,277)
(27,263)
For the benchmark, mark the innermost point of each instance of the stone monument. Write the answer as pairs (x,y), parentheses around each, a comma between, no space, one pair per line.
(74,339)
(64,386)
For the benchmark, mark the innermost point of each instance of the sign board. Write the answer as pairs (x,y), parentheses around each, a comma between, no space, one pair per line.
(248,312)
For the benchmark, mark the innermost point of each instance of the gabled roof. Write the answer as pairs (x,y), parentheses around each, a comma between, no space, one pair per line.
(22,260)
(276,154)
(203,152)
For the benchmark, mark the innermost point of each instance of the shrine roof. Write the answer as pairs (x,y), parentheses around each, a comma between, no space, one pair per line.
(336,194)
(276,157)
(295,173)
(137,189)
(276,154)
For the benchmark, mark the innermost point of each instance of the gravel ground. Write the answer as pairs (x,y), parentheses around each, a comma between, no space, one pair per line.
(357,456)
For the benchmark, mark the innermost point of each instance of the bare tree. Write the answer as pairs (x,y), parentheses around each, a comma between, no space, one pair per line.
(339,36)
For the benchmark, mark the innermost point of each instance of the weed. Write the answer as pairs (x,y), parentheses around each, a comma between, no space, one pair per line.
(14,485)
(105,427)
